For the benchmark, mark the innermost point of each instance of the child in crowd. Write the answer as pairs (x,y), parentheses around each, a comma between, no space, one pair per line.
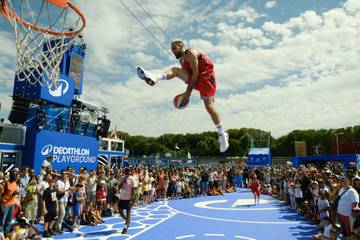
(166,186)
(213,191)
(325,232)
(229,188)
(291,191)
(153,196)
(298,195)
(77,203)
(18,232)
(101,196)
(90,215)
(186,190)
(323,208)
(267,189)
(50,205)
(140,197)
(136,195)
(179,187)
(315,193)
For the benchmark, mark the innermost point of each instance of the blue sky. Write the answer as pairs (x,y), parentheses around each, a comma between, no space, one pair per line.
(281,65)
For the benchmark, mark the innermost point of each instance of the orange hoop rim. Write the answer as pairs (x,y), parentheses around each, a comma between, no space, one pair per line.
(6,10)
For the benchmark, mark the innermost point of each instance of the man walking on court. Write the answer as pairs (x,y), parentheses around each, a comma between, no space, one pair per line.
(126,185)
(197,71)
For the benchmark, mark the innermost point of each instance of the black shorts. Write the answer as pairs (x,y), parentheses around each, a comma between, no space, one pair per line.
(124,204)
(50,216)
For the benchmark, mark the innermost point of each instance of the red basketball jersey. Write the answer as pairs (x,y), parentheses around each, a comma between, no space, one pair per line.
(205,64)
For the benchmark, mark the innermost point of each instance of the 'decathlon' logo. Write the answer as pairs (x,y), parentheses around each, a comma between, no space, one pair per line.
(46,150)
(62,88)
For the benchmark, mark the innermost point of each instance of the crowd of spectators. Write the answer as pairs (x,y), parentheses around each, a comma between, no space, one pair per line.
(65,200)
(327,196)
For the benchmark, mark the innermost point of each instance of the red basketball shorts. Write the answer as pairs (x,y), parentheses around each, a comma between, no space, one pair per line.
(206,84)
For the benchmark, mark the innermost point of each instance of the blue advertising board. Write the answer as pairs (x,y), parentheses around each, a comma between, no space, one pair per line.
(345,159)
(66,149)
(259,157)
(62,94)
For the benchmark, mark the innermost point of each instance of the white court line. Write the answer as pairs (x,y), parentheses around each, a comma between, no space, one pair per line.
(185,236)
(233,220)
(206,203)
(246,238)
(214,235)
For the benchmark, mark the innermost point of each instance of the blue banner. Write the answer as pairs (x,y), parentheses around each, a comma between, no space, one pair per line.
(259,157)
(66,149)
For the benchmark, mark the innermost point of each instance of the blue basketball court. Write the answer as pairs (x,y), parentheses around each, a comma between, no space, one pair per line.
(231,216)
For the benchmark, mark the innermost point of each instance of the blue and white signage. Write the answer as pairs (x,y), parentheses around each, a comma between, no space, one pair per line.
(259,157)
(66,149)
(63,93)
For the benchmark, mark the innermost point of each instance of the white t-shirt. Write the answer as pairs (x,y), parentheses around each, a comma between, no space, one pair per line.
(179,186)
(323,203)
(43,185)
(61,185)
(136,180)
(346,201)
(125,193)
(91,184)
(291,192)
(315,193)
(298,192)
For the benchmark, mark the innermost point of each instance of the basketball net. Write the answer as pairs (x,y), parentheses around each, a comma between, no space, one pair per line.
(44,30)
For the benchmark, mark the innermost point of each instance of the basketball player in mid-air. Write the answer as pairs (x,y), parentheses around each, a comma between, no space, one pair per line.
(197,71)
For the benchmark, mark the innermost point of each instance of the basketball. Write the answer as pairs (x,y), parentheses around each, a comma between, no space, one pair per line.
(178,101)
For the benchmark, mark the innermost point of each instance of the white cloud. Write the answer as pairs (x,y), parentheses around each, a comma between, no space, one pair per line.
(245,13)
(305,105)
(277,29)
(312,69)
(301,73)
(352,6)
(247,36)
(270,4)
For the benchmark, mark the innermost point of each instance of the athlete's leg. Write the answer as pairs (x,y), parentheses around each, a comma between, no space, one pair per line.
(215,117)
(211,109)
(176,72)
(254,194)
(151,79)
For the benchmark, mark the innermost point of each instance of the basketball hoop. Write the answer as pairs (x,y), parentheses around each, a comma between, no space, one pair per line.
(44,30)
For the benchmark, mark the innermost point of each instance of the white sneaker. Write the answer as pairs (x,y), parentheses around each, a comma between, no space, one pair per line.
(146,76)
(224,142)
